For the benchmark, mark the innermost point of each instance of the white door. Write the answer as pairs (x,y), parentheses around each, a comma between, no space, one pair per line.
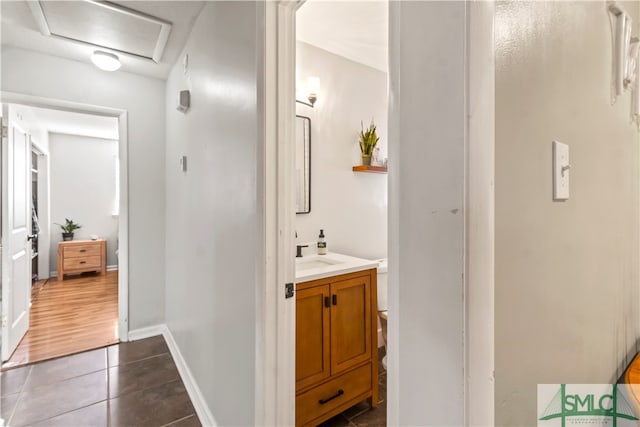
(16,230)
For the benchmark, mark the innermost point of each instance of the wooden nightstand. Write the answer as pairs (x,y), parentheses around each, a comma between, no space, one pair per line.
(79,256)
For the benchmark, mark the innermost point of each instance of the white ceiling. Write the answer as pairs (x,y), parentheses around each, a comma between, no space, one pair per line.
(19,29)
(102,24)
(57,121)
(357,30)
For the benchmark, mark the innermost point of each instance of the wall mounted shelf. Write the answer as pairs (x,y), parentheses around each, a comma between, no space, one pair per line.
(370,169)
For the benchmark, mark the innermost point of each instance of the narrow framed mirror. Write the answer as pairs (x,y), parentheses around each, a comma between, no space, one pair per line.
(303,165)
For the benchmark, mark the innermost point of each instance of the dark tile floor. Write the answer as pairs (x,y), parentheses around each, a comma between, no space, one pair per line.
(363,414)
(127,384)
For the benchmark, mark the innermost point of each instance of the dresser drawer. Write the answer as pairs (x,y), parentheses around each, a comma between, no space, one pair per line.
(83,263)
(332,394)
(81,251)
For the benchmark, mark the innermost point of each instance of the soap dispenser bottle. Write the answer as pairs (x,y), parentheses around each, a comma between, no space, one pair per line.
(322,244)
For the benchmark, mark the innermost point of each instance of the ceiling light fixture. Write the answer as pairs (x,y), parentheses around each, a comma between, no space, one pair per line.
(105,61)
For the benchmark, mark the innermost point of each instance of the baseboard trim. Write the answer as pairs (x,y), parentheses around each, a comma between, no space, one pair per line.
(199,403)
(109,268)
(148,332)
(197,399)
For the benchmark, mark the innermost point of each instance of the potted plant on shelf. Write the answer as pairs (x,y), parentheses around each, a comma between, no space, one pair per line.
(68,228)
(368,141)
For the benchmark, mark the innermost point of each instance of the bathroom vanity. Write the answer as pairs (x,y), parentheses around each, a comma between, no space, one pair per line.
(336,337)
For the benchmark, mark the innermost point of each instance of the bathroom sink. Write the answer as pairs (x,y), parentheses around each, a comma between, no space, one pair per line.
(314,267)
(317,261)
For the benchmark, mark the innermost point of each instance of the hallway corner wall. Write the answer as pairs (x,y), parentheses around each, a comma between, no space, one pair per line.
(212,207)
(566,293)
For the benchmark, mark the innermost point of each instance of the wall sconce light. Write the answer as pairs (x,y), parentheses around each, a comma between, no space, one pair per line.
(313,86)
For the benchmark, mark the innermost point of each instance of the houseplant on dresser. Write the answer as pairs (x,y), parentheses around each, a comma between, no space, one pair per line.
(68,228)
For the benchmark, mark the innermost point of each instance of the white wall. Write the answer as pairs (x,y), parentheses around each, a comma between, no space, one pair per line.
(212,208)
(350,207)
(83,188)
(566,290)
(426,217)
(38,132)
(143,98)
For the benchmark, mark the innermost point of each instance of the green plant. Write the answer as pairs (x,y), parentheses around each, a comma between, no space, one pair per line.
(69,226)
(368,139)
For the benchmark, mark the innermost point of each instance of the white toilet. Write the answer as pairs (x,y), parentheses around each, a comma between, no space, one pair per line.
(383,306)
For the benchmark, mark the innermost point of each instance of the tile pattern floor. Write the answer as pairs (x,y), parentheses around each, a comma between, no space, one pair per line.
(127,384)
(363,414)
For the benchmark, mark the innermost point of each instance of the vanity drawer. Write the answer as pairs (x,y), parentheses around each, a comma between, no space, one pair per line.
(333,393)
(86,262)
(81,251)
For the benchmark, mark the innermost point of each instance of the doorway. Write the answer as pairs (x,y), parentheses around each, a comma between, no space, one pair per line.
(466,270)
(76,299)
(341,193)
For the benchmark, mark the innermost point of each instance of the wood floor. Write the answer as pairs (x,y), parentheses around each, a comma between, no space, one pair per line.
(78,314)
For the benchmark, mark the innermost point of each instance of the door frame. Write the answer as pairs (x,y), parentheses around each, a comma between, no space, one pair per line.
(43,214)
(123,217)
(275,314)
(275,346)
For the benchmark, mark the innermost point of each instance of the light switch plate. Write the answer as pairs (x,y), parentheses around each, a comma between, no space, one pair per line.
(560,171)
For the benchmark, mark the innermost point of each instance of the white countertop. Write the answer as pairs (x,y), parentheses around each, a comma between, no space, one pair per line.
(312,267)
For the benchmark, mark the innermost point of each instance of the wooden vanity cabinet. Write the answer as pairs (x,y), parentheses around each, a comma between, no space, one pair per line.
(336,345)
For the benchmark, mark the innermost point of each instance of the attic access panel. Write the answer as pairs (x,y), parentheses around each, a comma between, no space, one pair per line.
(103,24)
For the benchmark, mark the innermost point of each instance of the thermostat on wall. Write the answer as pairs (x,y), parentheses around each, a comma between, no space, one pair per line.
(184,101)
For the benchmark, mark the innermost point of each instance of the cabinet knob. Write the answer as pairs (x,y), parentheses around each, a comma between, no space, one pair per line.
(334,299)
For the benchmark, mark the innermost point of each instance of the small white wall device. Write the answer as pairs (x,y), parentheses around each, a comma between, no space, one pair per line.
(185,101)
(561,169)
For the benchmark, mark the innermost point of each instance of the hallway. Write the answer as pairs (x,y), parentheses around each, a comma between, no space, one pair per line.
(134,383)
(77,314)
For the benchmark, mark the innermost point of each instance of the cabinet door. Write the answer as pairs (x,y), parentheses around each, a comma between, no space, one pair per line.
(350,323)
(312,335)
